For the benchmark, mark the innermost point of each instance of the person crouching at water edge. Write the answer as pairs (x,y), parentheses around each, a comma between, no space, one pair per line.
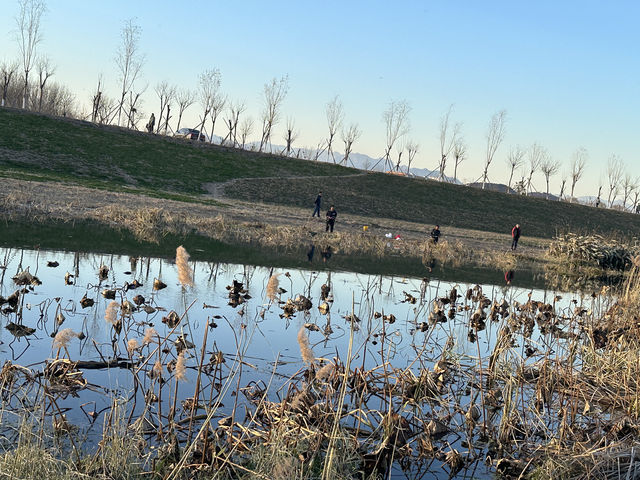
(331,218)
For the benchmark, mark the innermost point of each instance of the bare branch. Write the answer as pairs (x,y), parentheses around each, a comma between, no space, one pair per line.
(495,136)
(578,163)
(28,20)
(335,117)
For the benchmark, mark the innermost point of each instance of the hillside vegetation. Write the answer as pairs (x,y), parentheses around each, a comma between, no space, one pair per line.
(51,149)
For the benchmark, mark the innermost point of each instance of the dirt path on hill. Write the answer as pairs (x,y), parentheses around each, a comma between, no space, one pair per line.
(21,198)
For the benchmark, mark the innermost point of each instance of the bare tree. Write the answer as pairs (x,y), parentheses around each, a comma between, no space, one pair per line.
(578,163)
(615,169)
(400,147)
(45,71)
(495,136)
(30,14)
(246,127)
(132,109)
(274,93)
(549,167)
(335,117)
(536,155)
(290,136)
(218,102)
(184,98)
(629,185)
(447,140)
(209,83)
(129,62)
(96,101)
(235,110)
(396,121)
(7,71)
(459,154)
(515,159)
(349,136)
(562,185)
(412,150)
(166,94)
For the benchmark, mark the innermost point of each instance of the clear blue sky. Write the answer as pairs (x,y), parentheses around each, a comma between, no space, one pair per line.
(568,73)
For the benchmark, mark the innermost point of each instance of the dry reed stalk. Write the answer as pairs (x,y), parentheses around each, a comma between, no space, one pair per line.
(305,349)
(181,369)
(185,273)
(272,287)
(111,314)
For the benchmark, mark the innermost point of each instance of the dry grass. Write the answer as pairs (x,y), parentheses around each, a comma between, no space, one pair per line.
(289,230)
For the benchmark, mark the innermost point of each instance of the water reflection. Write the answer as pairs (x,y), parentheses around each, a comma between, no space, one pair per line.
(232,330)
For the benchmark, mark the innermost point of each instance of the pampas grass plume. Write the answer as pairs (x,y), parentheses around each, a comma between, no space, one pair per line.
(111,315)
(185,274)
(181,369)
(305,350)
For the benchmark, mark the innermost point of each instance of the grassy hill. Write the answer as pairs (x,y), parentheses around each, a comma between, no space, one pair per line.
(43,148)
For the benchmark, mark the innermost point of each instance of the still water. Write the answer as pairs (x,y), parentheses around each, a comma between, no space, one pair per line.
(384,320)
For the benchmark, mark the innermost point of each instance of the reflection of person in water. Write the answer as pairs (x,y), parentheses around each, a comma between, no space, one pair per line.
(326,253)
(311,251)
(508,276)
(431,264)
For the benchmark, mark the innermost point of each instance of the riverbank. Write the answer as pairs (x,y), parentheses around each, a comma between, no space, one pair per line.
(69,217)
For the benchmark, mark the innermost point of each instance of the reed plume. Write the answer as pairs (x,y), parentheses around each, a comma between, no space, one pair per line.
(325,372)
(305,350)
(272,287)
(156,371)
(185,274)
(181,369)
(63,337)
(132,345)
(111,314)
(149,334)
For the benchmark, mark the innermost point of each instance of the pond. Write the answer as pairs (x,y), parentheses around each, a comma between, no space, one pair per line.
(410,367)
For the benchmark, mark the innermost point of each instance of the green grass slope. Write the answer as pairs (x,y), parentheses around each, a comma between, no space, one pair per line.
(43,148)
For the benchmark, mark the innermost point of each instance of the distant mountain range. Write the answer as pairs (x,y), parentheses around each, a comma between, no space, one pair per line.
(360,161)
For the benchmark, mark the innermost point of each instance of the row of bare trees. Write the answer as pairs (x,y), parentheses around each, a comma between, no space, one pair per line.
(28,83)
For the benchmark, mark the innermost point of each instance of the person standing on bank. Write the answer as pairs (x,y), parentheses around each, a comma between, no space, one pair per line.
(515,235)
(435,234)
(318,204)
(331,218)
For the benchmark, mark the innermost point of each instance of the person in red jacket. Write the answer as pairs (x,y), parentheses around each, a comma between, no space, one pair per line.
(515,235)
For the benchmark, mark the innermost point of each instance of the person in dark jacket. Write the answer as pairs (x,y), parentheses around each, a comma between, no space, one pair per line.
(318,204)
(331,218)
(435,234)
(515,236)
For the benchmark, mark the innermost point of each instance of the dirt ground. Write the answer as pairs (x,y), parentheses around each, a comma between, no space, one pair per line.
(76,202)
